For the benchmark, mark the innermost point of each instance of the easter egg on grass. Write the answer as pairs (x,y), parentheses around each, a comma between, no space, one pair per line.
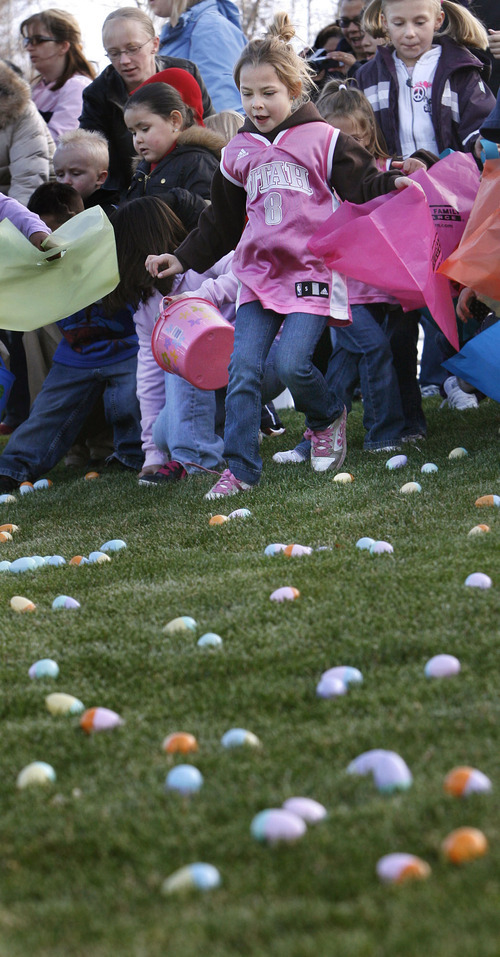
(462,781)
(36,773)
(20,604)
(193,877)
(238,738)
(180,742)
(464,844)
(308,809)
(399,868)
(100,719)
(442,666)
(44,668)
(276,825)
(60,703)
(185,779)
(179,625)
(286,593)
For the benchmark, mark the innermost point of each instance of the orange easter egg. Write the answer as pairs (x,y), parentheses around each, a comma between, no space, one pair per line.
(464,844)
(5,537)
(218,520)
(91,475)
(76,560)
(180,742)
(487,501)
(9,528)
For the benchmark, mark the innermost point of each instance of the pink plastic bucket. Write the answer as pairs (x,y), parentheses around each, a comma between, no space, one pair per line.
(193,340)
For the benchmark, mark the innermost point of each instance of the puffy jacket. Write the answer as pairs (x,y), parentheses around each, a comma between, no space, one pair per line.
(26,146)
(210,35)
(103,103)
(190,166)
(460,99)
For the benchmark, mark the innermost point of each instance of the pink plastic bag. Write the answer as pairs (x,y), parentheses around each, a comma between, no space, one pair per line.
(450,187)
(391,242)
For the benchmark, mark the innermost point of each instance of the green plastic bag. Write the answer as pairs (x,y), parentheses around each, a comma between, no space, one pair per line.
(36,289)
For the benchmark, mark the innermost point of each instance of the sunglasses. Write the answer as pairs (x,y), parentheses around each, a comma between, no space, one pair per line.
(36,40)
(345,22)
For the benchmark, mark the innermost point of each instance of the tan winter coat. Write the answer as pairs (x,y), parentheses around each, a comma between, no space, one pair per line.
(26,146)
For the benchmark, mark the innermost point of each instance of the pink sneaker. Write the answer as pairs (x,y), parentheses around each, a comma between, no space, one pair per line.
(329,446)
(228,484)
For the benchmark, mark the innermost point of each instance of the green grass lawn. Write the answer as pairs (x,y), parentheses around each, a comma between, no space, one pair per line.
(82,861)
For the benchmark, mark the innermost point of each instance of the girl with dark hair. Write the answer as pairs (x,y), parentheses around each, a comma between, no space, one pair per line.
(54,44)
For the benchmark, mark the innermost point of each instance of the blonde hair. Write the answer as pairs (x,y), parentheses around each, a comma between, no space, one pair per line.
(94,144)
(463,26)
(131,13)
(275,49)
(227,123)
(347,102)
(178,8)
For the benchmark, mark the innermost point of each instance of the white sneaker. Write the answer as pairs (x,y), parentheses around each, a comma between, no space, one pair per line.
(427,391)
(328,446)
(290,457)
(228,484)
(456,397)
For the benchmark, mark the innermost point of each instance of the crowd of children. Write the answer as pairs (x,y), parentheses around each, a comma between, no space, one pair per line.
(228,218)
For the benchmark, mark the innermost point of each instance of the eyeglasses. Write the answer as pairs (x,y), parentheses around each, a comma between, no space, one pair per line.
(345,22)
(36,40)
(131,50)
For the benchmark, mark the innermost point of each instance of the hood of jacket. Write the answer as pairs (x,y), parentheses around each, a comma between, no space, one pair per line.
(15,95)
(226,8)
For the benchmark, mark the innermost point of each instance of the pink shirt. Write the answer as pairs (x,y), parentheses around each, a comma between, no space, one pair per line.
(64,105)
(288,195)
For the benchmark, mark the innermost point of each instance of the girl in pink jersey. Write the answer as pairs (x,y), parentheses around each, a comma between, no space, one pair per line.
(274,187)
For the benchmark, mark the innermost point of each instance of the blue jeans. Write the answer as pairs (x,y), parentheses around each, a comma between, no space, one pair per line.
(402,330)
(61,408)
(254,332)
(431,370)
(186,426)
(362,350)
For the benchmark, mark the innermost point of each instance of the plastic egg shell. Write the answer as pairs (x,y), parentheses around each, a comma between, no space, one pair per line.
(365,543)
(409,487)
(199,876)
(9,527)
(44,668)
(428,467)
(399,868)
(478,530)
(178,625)
(286,593)
(79,560)
(350,676)
(442,666)
(276,824)
(65,601)
(56,560)
(41,484)
(185,778)
(180,742)
(91,475)
(391,773)
(5,537)
(488,501)
(22,565)
(25,488)
(478,580)
(462,781)
(6,499)
(365,762)
(114,545)
(330,687)
(209,640)
(100,719)
(464,844)
(218,520)
(396,462)
(343,478)
(61,703)
(98,558)
(297,550)
(240,513)
(458,453)
(38,560)
(239,737)
(274,549)
(20,604)
(308,809)
(5,566)
(378,548)
(38,772)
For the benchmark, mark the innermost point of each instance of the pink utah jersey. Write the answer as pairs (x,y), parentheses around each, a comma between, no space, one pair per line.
(288,197)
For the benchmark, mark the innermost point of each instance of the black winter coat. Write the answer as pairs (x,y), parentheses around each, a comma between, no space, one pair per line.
(103,104)
(190,166)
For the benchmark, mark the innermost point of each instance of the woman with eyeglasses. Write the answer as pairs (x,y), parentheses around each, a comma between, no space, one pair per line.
(129,38)
(53,41)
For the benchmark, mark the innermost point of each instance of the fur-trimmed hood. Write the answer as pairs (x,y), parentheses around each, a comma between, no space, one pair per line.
(200,136)
(15,95)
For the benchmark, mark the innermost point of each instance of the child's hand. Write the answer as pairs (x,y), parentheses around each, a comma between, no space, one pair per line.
(401,182)
(494,42)
(36,239)
(408,166)
(153,264)
(465,300)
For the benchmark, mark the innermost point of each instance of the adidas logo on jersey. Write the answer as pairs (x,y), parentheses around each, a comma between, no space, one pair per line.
(241,154)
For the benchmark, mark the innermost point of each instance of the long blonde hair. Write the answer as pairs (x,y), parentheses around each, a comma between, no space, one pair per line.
(463,26)
(345,101)
(275,49)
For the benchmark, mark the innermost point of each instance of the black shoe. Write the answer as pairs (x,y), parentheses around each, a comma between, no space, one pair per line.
(7,484)
(270,422)
(170,472)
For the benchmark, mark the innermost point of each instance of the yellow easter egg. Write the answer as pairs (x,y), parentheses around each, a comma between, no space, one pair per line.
(20,604)
(343,478)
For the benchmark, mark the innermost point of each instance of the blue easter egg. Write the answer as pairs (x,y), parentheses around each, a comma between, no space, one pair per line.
(210,640)
(364,543)
(22,565)
(64,601)
(5,499)
(114,545)
(56,560)
(184,778)
(42,483)
(39,561)
(4,566)
(274,549)
(45,668)
(428,467)
(26,488)
(396,462)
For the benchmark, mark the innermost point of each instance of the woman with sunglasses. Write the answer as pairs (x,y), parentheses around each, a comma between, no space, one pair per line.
(131,45)
(53,41)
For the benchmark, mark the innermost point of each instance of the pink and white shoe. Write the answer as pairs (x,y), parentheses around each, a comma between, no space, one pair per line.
(228,484)
(329,446)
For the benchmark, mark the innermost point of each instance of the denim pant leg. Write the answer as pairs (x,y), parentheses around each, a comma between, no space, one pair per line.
(254,331)
(56,417)
(431,370)
(295,367)
(363,349)
(402,330)
(121,407)
(185,427)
